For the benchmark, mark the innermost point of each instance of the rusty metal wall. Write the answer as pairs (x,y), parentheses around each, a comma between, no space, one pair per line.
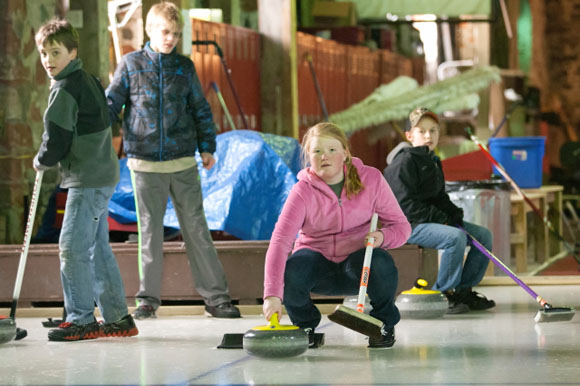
(241,50)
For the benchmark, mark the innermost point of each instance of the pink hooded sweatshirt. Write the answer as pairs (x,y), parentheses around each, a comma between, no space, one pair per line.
(335,228)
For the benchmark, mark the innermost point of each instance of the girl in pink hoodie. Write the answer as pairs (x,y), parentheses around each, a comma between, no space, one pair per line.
(323,225)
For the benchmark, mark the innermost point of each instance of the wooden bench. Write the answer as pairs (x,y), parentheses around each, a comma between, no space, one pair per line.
(243,263)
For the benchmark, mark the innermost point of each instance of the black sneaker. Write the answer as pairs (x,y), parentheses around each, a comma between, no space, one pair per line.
(225,310)
(144,311)
(386,341)
(121,328)
(69,332)
(456,305)
(476,301)
(310,332)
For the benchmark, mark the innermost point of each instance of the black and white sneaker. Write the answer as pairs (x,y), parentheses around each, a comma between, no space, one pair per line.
(476,301)
(456,305)
(386,341)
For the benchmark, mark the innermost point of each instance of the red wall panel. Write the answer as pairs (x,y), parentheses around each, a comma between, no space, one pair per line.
(346,74)
(241,51)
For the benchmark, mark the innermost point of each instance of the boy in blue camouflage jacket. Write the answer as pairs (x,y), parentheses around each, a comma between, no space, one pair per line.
(166,119)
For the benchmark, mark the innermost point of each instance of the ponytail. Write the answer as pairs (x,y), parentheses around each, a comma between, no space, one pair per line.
(352,183)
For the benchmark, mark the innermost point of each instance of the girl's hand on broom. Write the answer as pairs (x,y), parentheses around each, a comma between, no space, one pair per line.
(378,236)
(272,305)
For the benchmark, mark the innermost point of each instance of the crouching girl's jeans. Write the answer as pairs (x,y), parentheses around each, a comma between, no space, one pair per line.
(309,271)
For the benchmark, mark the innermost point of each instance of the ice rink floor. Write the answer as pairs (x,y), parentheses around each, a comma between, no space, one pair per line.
(503,346)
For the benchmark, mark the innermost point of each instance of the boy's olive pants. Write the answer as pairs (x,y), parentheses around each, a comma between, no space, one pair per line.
(151,193)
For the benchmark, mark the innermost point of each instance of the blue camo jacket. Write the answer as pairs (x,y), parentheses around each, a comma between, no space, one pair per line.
(166,114)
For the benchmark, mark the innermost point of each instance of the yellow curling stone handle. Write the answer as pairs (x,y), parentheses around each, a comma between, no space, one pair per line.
(274,325)
(419,288)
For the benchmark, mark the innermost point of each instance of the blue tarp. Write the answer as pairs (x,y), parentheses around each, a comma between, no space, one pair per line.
(243,193)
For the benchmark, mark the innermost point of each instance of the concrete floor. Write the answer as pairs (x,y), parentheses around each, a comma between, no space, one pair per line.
(503,346)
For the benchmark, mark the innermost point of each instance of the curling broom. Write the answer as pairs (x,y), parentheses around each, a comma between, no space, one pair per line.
(547,313)
(357,320)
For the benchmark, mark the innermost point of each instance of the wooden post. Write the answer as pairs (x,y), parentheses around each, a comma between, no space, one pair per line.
(94,36)
(279,70)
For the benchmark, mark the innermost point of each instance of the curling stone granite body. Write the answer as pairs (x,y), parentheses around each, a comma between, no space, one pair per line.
(7,330)
(275,340)
(420,303)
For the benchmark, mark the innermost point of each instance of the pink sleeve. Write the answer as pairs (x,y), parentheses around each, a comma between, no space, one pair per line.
(289,223)
(395,227)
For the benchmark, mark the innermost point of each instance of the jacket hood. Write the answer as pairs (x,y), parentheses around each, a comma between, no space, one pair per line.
(397,150)
(407,147)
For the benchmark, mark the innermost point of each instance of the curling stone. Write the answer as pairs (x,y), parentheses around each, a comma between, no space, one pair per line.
(275,340)
(422,303)
(7,329)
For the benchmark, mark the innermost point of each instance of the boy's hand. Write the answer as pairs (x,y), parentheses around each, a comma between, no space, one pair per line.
(379,238)
(208,160)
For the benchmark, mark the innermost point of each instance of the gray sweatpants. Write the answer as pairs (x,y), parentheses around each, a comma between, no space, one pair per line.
(151,194)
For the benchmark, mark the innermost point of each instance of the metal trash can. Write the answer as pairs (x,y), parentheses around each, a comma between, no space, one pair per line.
(486,203)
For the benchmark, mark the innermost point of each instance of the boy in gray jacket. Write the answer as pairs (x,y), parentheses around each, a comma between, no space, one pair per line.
(77,138)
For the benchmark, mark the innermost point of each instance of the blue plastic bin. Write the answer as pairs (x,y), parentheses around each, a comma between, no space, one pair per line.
(521,157)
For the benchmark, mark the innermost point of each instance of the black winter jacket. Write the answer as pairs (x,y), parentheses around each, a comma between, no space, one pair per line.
(416,178)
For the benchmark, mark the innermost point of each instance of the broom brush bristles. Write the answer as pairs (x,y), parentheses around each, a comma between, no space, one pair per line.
(554,314)
(357,321)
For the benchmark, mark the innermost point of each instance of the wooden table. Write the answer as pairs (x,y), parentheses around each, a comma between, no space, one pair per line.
(548,199)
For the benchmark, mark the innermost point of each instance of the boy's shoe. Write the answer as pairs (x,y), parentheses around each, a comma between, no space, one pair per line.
(121,328)
(476,301)
(144,311)
(386,341)
(456,305)
(225,310)
(69,332)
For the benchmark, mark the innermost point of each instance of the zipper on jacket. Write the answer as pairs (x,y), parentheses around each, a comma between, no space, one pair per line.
(160,108)
(341,223)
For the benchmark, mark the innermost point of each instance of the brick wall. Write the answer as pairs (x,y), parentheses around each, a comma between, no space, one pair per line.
(23,97)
